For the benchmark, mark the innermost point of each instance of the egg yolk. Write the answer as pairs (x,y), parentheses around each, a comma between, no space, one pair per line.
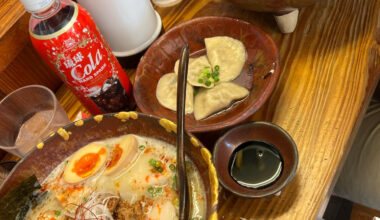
(84,166)
(117,152)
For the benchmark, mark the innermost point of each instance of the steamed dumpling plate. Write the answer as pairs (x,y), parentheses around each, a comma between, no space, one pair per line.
(212,74)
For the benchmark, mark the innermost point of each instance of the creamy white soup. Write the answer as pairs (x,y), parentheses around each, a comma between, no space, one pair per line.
(129,177)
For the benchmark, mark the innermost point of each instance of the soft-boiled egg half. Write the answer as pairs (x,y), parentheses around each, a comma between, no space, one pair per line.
(85,162)
(124,154)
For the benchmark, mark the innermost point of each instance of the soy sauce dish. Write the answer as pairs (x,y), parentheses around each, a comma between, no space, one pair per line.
(255,159)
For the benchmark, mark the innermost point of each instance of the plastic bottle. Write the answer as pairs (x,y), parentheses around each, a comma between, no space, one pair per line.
(66,37)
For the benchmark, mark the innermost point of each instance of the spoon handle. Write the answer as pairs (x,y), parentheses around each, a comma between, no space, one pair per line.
(184,200)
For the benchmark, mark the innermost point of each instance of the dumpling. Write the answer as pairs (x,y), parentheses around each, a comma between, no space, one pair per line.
(209,101)
(228,53)
(166,93)
(196,65)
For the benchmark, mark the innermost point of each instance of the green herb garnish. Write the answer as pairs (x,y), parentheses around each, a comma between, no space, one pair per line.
(172,167)
(156,165)
(174,185)
(207,76)
(176,202)
(154,191)
(84,199)
(57,213)
(150,190)
(141,147)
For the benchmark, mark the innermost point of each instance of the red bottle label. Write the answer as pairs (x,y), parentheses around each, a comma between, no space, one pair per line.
(84,61)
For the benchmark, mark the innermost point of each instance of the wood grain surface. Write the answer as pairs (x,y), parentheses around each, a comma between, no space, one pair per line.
(360,212)
(329,68)
(10,12)
(20,65)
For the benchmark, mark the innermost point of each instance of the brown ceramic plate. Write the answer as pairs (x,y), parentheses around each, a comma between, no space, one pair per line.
(259,75)
(255,131)
(41,162)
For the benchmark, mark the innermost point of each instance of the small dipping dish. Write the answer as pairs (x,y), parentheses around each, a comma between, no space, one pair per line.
(255,159)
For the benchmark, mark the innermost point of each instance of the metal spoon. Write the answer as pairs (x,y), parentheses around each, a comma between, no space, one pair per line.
(184,200)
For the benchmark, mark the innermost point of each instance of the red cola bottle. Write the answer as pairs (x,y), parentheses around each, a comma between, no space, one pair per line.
(66,37)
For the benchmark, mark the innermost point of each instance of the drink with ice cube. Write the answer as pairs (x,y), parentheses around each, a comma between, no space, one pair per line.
(27,116)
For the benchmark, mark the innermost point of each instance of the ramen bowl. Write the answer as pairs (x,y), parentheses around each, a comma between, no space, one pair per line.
(259,74)
(264,132)
(56,148)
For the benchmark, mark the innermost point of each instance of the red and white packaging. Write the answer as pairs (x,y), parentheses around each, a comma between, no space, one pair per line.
(83,60)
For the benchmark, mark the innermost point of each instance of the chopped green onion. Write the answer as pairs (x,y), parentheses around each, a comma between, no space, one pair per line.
(152,162)
(84,199)
(159,190)
(157,164)
(207,76)
(63,191)
(174,185)
(57,213)
(153,191)
(176,202)
(172,167)
(206,71)
(141,147)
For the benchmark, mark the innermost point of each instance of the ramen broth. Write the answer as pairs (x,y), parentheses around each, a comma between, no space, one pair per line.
(144,189)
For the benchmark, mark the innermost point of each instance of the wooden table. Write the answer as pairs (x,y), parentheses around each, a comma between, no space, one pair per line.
(329,68)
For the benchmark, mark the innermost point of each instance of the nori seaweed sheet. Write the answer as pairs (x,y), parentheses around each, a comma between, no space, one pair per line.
(16,203)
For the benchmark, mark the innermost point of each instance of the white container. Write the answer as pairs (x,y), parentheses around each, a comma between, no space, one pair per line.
(166,3)
(129,26)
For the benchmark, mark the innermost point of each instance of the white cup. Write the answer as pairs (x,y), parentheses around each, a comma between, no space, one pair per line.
(129,26)
(166,3)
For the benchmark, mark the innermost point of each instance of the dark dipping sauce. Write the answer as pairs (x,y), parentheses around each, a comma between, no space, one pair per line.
(255,164)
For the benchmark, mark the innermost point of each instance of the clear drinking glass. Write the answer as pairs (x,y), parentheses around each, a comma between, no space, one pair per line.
(28,115)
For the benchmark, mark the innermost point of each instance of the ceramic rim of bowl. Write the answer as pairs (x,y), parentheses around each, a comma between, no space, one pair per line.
(244,115)
(247,125)
(203,152)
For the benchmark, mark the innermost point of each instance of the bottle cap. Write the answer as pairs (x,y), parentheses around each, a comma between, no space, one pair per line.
(36,5)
